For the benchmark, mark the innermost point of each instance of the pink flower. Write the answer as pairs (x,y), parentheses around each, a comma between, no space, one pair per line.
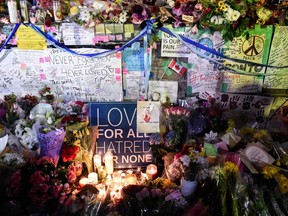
(194,30)
(56,190)
(71,175)
(36,178)
(62,198)
(43,188)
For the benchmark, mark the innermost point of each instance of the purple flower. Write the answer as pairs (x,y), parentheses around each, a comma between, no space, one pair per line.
(170,136)
(155,139)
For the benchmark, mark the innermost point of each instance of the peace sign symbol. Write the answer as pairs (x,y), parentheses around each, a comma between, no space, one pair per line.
(253,46)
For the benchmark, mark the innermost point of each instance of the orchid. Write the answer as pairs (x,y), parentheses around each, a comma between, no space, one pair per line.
(210,136)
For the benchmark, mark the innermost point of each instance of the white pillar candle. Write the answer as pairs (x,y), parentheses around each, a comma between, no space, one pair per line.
(97,161)
(109,163)
(13,13)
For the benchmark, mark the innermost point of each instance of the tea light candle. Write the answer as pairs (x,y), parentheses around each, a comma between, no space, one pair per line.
(151,171)
(130,179)
(97,161)
(93,178)
(83,182)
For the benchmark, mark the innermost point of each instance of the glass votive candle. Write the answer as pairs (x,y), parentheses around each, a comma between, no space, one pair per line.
(116,177)
(130,179)
(101,172)
(151,171)
(93,178)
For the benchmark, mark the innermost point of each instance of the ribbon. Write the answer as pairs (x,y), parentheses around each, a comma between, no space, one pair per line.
(214,52)
(10,36)
(56,44)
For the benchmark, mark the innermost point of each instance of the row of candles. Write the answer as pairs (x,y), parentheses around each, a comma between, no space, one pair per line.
(119,177)
(30,16)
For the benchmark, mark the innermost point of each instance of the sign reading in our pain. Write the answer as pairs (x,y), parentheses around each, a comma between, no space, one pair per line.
(117,132)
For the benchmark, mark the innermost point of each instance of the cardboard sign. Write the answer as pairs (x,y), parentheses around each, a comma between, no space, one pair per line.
(118,133)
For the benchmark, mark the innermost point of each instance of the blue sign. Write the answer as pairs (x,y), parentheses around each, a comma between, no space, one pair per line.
(117,132)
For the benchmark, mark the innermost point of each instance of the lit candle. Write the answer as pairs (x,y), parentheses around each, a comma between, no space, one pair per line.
(101,172)
(130,179)
(83,182)
(109,163)
(116,177)
(93,178)
(97,161)
(151,171)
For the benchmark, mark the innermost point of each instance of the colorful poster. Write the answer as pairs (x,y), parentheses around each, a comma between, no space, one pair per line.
(255,49)
(117,131)
(148,113)
(278,57)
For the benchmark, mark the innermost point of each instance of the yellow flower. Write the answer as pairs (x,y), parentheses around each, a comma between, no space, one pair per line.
(74,10)
(231,167)
(217,10)
(223,7)
(77,142)
(221,3)
(270,171)
(282,183)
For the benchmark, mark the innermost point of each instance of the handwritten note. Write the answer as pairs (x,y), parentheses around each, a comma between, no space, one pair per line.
(132,83)
(74,34)
(278,57)
(28,39)
(133,58)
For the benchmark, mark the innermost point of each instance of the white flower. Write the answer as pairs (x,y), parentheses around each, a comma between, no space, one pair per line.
(236,15)
(84,15)
(123,17)
(210,136)
(185,160)
(99,5)
(229,14)
(49,120)
(13,159)
(218,20)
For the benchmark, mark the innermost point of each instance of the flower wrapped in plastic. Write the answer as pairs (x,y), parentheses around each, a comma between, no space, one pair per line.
(51,142)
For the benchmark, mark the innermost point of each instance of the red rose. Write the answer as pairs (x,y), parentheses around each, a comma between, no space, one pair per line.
(68,153)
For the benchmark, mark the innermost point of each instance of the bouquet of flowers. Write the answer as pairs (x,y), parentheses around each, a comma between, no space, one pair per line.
(158,197)
(43,186)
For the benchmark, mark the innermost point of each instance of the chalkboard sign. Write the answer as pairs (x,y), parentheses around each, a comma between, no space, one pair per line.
(117,131)
(70,76)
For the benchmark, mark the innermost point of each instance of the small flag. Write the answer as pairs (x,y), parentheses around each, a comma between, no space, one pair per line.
(175,66)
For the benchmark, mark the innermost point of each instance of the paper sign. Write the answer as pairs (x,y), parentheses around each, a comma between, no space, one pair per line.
(148,116)
(74,34)
(165,89)
(28,39)
(278,57)
(132,80)
(117,132)
(133,58)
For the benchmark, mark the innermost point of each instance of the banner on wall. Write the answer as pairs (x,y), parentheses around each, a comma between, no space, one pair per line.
(278,57)
(71,77)
(213,73)
(117,131)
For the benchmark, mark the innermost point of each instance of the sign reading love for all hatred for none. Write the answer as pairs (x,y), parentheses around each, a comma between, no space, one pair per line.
(117,131)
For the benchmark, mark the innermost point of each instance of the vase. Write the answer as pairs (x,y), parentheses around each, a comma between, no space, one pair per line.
(187,187)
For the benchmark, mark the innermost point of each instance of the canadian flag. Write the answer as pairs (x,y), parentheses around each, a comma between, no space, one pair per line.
(175,66)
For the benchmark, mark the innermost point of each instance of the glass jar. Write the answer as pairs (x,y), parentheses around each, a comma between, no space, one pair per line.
(57,11)
(24,11)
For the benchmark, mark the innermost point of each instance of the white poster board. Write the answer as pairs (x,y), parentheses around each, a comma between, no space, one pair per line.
(71,77)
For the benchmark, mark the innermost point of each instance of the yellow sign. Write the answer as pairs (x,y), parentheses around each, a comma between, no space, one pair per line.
(28,39)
